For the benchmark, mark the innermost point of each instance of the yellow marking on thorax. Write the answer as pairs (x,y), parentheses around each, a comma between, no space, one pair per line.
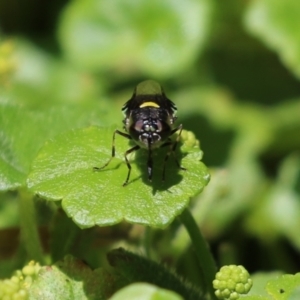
(151,104)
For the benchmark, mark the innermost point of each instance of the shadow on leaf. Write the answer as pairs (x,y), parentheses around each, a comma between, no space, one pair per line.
(172,175)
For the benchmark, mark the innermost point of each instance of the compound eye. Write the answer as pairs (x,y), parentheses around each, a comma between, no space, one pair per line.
(139,125)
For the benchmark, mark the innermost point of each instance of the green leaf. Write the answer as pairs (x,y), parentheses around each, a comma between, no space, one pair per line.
(17,148)
(260,281)
(159,38)
(255,297)
(285,287)
(145,291)
(274,286)
(63,170)
(23,131)
(276,23)
(68,279)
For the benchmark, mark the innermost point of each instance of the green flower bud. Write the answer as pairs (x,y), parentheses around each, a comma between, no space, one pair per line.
(232,281)
(17,286)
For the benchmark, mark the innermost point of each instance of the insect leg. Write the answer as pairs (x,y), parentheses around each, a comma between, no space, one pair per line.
(172,150)
(113,150)
(149,163)
(127,162)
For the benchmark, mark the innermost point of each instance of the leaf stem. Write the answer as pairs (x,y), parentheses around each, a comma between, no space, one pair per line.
(204,256)
(29,229)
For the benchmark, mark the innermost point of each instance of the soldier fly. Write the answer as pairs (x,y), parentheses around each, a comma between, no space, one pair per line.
(149,122)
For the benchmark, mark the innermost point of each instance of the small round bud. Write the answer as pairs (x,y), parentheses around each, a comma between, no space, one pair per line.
(232,281)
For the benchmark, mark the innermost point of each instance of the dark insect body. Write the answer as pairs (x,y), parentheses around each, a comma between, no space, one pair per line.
(149,122)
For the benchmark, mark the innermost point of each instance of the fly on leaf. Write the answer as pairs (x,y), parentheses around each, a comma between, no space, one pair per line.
(149,122)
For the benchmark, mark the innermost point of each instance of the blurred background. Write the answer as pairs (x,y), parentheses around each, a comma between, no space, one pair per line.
(232,68)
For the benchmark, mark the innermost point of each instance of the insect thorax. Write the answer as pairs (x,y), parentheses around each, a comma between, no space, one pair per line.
(149,119)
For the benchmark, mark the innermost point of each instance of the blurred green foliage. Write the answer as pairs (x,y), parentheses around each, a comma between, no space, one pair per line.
(232,68)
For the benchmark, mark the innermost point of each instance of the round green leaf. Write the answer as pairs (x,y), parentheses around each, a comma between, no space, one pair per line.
(69,279)
(23,131)
(276,23)
(63,170)
(285,287)
(155,37)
